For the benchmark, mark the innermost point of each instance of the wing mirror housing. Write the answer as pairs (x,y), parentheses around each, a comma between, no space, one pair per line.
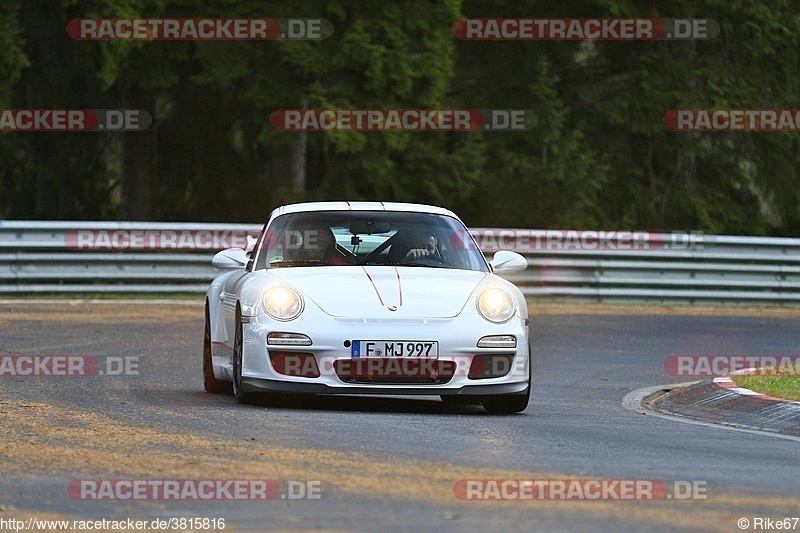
(230,259)
(506,262)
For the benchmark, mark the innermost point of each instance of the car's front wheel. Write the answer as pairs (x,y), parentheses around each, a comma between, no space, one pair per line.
(210,383)
(240,395)
(507,403)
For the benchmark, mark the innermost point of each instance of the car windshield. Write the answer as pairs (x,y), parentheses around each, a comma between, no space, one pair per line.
(342,238)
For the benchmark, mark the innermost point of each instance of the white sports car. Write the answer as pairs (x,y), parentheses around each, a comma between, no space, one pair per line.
(367,298)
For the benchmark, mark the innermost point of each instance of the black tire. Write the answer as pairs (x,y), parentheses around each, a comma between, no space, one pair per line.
(510,403)
(210,383)
(240,395)
(507,403)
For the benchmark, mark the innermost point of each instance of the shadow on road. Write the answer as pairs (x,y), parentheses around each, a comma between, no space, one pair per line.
(320,402)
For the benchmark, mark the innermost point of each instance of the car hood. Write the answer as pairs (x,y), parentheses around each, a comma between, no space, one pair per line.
(369,292)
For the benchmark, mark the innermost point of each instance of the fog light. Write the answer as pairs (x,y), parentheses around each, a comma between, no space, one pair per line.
(498,341)
(288,339)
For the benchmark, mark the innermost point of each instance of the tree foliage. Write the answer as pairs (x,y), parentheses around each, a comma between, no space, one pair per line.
(599,156)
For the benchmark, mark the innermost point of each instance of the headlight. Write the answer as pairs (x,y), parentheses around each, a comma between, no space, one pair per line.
(282,303)
(496,305)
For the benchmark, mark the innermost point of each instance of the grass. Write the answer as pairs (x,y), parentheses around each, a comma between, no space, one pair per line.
(787,387)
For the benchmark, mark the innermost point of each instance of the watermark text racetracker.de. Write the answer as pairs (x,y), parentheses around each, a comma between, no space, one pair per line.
(68,366)
(403,120)
(487,239)
(195,489)
(725,365)
(199,29)
(579,489)
(156,239)
(732,120)
(73,120)
(529,240)
(376,362)
(583,29)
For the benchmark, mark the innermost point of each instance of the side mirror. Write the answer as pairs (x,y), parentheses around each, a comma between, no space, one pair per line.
(230,259)
(506,262)
(251,243)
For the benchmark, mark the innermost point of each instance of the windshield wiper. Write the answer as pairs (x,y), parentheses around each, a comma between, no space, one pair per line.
(298,262)
(432,264)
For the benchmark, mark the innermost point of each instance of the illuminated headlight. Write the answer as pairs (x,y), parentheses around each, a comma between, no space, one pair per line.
(282,303)
(496,305)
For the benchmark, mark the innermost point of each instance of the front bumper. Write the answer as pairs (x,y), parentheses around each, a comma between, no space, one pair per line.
(268,385)
(457,338)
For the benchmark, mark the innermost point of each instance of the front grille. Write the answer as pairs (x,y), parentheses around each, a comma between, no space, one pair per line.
(395,370)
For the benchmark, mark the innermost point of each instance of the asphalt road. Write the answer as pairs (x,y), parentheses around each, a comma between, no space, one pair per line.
(382,463)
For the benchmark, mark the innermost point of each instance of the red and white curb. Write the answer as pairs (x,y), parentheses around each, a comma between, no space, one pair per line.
(726,382)
(721,402)
(637,401)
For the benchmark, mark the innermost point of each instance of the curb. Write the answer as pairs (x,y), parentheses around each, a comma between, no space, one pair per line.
(727,383)
(721,401)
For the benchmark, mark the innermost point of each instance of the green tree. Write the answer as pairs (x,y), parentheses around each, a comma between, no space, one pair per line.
(51,175)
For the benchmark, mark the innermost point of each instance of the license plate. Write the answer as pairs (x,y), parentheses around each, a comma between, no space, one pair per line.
(394,349)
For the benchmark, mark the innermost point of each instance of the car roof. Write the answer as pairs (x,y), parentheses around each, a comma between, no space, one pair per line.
(361,206)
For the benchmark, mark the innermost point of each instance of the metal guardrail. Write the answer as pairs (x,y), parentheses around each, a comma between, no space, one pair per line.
(132,257)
